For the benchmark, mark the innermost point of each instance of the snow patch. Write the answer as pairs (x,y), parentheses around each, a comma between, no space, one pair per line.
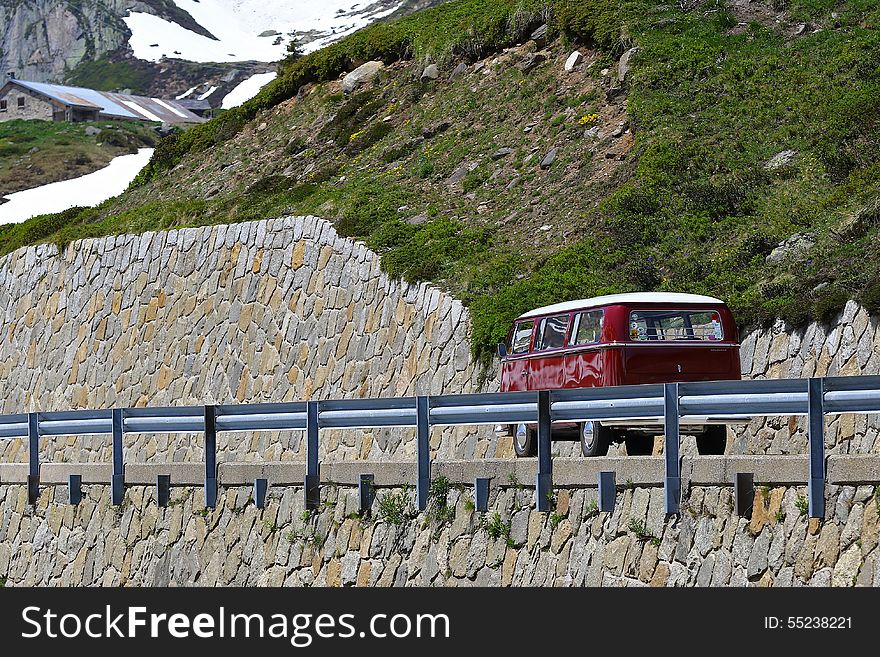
(237,25)
(207,93)
(247,89)
(85,191)
(186,94)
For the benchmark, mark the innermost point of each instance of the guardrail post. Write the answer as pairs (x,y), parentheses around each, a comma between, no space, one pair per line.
(816,435)
(607,491)
(744,493)
(74,489)
(163,490)
(671,438)
(117,483)
(210,457)
(261,487)
(365,493)
(423,451)
(312,483)
(544,484)
(481,494)
(33,458)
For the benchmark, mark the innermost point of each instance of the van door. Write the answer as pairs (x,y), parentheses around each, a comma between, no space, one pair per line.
(583,358)
(678,345)
(515,368)
(547,363)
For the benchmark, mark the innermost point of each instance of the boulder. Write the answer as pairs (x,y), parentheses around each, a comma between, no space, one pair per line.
(780,160)
(431,72)
(574,59)
(549,159)
(501,152)
(458,70)
(92,131)
(623,65)
(361,75)
(794,245)
(540,35)
(530,61)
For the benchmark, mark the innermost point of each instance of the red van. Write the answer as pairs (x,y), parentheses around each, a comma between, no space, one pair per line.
(620,339)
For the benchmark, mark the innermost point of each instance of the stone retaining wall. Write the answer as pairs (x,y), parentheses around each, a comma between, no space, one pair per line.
(851,346)
(512,545)
(273,310)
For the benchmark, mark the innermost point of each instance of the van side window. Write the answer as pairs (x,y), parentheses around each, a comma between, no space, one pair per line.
(587,327)
(675,325)
(551,332)
(522,336)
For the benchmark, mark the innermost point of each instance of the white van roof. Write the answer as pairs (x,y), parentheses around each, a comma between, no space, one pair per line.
(631,297)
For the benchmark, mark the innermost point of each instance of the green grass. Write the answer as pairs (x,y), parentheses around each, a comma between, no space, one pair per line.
(106,75)
(34,153)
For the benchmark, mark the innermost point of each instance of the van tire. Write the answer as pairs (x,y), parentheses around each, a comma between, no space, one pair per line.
(638,444)
(713,441)
(525,440)
(600,438)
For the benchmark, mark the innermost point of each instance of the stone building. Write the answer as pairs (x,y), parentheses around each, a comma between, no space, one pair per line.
(22,99)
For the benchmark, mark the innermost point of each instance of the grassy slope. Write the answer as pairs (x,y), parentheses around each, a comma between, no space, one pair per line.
(34,153)
(690,206)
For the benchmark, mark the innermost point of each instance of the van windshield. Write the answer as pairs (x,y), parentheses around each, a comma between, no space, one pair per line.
(675,325)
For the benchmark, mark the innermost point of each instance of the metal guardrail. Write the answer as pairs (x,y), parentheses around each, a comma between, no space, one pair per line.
(671,404)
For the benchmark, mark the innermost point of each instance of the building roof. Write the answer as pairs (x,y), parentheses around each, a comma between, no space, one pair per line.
(113,105)
(632,297)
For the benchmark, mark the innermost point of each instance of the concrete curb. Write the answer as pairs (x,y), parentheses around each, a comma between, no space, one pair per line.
(567,472)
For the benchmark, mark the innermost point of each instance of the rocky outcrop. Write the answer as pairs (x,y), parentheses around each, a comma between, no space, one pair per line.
(42,40)
(55,41)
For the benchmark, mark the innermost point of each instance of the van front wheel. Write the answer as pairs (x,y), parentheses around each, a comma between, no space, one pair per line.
(713,441)
(525,440)
(595,439)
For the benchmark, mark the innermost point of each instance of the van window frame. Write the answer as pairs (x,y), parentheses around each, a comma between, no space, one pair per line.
(528,348)
(575,322)
(677,341)
(538,333)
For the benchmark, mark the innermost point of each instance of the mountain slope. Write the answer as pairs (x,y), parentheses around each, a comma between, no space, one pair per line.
(738,157)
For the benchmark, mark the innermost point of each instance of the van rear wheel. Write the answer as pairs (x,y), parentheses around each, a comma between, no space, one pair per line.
(525,440)
(595,439)
(713,441)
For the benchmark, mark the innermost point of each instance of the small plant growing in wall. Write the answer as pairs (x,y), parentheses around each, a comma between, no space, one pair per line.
(2,582)
(394,507)
(439,511)
(469,505)
(496,527)
(780,516)
(638,527)
(555,519)
(591,510)
(802,505)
